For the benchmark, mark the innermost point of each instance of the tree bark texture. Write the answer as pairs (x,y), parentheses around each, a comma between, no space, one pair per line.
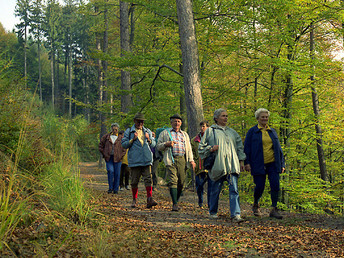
(316,110)
(52,60)
(191,70)
(126,101)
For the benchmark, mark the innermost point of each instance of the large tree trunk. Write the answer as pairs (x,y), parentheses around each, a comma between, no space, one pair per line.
(191,70)
(316,110)
(126,101)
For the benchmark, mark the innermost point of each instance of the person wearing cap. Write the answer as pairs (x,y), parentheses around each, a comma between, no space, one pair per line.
(138,139)
(111,148)
(176,146)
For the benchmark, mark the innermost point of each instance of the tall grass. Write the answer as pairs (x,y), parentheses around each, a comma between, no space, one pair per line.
(61,179)
(15,192)
(65,191)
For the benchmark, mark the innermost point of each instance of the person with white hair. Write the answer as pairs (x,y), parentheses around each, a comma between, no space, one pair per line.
(229,162)
(264,157)
(110,146)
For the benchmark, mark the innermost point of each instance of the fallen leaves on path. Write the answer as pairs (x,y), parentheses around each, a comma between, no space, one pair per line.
(190,233)
(117,230)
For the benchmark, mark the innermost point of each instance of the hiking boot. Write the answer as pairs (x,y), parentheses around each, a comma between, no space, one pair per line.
(256,210)
(237,219)
(175,207)
(213,216)
(127,187)
(151,202)
(133,204)
(121,188)
(109,191)
(275,214)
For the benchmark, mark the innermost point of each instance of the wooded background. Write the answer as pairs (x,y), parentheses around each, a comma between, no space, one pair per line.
(104,60)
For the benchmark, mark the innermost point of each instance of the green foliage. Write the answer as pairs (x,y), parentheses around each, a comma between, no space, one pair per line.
(62,134)
(64,189)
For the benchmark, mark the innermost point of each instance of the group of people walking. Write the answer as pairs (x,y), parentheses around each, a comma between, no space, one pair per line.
(261,154)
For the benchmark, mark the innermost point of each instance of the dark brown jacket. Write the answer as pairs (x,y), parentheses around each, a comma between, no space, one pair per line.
(105,147)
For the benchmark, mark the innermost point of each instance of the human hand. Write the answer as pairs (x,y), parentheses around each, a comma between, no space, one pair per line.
(214,148)
(193,164)
(135,136)
(147,135)
(283,169)
(170,143)
(248,167)
(242,167)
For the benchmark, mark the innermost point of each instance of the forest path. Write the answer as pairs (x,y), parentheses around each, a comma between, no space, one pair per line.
(190,232)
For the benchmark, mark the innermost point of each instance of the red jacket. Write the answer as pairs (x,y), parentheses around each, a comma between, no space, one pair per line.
(105,147)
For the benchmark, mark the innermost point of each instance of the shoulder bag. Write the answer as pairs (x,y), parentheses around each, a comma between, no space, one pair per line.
(209,161)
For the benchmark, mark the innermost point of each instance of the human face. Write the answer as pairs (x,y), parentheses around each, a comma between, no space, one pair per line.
(222,119)
(115,130)
(176,123)
(263,119)
(138,123)
(203,128)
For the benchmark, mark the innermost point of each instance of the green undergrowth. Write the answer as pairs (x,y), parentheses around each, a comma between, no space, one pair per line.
(42,199)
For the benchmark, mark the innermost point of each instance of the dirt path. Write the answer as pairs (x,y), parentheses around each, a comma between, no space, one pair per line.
(190,233)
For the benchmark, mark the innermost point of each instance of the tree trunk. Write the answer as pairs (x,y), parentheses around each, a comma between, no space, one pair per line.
(191,70)
(316,110)
(70,62)
(101,94)
(105,65)
(25,54)
(126,99)
(39,71)
(182,104)
(52,58)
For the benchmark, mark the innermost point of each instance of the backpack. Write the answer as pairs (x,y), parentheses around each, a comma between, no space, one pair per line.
(158,131)
(158,154)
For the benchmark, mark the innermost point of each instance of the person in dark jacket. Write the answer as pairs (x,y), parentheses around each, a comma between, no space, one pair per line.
(264,157)
(139,140)
(111,148)
(201,174)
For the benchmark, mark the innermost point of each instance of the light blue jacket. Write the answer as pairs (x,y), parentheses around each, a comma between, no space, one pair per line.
(138,154)
(229,154)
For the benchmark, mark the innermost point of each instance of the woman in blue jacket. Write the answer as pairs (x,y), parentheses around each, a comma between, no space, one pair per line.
(264,157)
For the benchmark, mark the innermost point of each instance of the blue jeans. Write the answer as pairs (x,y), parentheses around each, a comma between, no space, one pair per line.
(216,187)
(274,179)
(201,179)
(114,173)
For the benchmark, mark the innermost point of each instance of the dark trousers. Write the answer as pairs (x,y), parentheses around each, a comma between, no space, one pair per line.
(274,179)
(201,179)
(155,166)
(125,173)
